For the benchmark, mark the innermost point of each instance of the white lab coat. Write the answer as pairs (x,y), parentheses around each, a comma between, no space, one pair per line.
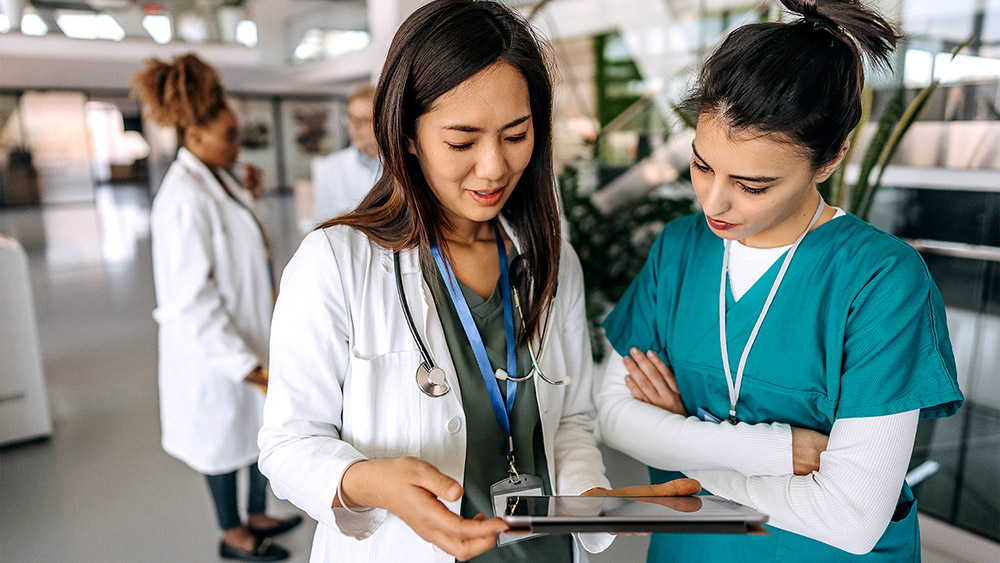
(213,306)
(343,390)
(341,180)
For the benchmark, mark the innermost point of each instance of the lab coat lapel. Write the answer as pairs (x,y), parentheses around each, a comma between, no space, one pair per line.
(208,182)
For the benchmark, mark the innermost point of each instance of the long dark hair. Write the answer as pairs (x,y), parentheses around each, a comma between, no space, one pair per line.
(438,47)
(800,81)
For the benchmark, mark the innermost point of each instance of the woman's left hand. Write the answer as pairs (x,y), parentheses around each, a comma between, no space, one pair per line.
(676,488)
(253,180)
(652,381)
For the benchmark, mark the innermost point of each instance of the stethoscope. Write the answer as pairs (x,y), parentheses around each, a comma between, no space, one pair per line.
(431,378)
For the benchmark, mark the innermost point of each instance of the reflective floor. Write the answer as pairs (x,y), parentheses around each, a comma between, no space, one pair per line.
(101,489)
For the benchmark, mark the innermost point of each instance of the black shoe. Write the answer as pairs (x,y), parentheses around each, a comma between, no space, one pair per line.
(263,550)
(280,528)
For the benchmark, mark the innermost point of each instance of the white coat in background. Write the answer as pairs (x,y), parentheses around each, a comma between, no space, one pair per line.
(343,389)
(341,180)
(213,306)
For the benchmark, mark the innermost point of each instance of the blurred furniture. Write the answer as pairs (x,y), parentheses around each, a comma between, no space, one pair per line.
(24,407)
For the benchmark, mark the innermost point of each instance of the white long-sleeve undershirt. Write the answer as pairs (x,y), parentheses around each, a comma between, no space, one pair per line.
(847,503)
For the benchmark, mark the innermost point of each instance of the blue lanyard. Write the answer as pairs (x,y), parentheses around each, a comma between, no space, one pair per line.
(476,340)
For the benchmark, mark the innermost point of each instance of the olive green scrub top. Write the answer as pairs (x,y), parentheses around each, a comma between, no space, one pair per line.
(485,454)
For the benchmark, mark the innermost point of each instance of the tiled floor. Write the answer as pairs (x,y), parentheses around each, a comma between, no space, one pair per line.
(101,489)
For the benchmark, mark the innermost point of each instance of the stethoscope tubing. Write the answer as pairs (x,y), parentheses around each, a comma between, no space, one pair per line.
(425,355)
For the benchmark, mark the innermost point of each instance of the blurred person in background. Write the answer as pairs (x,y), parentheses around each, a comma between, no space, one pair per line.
(344,177)
(215,292)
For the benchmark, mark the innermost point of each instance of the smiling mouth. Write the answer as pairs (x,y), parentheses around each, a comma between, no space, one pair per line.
(487,198)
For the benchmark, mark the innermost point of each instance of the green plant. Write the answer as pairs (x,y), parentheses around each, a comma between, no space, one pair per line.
(893,124)
(612,246)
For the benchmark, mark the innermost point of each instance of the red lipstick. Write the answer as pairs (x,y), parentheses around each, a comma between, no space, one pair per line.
(719,225)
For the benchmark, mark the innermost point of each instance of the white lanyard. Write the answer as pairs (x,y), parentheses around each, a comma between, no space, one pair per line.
(734,388)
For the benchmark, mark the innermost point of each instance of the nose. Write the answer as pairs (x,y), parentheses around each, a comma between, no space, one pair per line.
(491,164)
(715,198)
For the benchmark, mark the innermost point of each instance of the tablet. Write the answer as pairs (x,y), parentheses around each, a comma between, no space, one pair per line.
(696,515)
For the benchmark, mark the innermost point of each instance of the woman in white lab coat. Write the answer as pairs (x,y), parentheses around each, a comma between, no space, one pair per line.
(392,417)
(214,294)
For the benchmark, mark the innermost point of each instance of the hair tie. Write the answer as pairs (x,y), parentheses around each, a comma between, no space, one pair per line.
(817,21)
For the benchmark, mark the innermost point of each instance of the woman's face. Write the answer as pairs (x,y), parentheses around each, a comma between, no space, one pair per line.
(753,188)
(217,143)
(475,142)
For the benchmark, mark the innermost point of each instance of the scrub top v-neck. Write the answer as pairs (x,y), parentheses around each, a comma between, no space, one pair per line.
(485,458)
(854,331)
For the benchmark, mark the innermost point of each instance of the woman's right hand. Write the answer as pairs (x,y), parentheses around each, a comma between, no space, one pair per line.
(410,488)
(806,447)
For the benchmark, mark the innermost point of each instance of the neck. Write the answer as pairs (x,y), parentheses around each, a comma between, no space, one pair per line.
(468,233)
(787,231)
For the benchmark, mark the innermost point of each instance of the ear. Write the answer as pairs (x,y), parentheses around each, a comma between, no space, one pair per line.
(411,146)
(192,136)
(828,169)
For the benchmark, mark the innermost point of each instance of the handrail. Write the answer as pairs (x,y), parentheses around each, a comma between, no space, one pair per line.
(956,249)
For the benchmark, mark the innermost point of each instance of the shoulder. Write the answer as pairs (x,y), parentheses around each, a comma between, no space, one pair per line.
(871,253)
(179,193)
(342,242)
(680,237)
(338,158)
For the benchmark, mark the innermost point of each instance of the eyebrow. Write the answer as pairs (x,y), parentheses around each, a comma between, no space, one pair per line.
(754,179)
(471,129)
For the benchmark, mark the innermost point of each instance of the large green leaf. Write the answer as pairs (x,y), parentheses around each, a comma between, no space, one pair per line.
(886,123)
(912,114)
(835,190)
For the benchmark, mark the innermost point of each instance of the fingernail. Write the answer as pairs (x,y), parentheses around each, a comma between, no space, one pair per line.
(651,354)
(636,352)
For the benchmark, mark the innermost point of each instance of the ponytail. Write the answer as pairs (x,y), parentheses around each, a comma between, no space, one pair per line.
(800,81)
(183,93)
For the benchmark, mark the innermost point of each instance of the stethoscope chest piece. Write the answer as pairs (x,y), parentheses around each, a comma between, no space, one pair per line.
(432,381)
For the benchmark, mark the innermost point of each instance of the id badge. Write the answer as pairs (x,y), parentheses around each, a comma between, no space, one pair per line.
(526,485)
(707,416)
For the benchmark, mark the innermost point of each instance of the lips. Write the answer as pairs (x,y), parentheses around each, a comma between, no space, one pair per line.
(719,225)
(488,199)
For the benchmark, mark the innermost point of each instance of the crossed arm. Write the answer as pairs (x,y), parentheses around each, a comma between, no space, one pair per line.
(841,490)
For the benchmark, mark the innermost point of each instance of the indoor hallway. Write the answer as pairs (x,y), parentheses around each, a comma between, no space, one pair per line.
(101,489)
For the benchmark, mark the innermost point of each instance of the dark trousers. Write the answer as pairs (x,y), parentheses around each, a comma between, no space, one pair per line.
(223,489)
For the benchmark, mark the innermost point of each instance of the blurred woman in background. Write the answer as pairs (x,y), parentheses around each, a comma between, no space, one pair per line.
(214,295)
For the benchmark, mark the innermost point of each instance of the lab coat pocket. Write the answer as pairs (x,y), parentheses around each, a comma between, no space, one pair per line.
(382,405)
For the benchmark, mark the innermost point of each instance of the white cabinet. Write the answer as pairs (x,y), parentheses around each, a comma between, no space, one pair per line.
(24,407)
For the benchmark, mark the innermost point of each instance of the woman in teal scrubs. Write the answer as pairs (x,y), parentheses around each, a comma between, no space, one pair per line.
(775,348)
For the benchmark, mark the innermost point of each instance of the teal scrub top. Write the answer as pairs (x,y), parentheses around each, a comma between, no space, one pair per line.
(856,329)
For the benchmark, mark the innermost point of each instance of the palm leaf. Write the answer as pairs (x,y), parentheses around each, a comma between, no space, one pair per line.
(885,125)
(686,118)
(908,117)
(835,189)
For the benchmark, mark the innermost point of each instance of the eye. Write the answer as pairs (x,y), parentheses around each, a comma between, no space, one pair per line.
(751,191)
(518,138)
(699,167)
(462,147)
